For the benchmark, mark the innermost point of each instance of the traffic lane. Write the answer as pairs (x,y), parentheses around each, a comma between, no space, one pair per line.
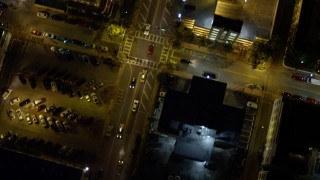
(140,50)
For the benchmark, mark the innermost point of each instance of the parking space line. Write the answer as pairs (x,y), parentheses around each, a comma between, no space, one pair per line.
(148,84)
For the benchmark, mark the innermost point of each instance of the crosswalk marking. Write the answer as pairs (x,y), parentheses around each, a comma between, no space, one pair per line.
(143,62)
(127,45)
(150,37)
(119,96)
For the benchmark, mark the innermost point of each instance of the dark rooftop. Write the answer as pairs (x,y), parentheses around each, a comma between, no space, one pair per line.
(227,23)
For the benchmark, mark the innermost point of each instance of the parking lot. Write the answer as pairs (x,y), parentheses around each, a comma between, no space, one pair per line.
(76,89)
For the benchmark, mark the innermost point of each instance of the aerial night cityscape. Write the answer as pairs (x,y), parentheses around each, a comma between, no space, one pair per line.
(160,90)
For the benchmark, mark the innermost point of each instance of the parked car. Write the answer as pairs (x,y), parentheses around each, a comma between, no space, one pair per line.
(150,49)
(56,111)
(66,125)
(35,32)
(49,35)
(41,107)
(297,97)
(132,83)
(14,101)
(28,118)
(143,75)
(54,86)
(135,105)
(97,86)
(39,101)
(185,61)
(50,122)
(95,98)
(6,93)
(33,82)
(11,114)
(59,125)
(87,96)
(49,108)
(35,119)
(24,102)
(147,29)
(78,94)
(19,114)
(298,78)
(43,14)
(120,131)
(109,130)
(22,79)
(43,121)
(65,112)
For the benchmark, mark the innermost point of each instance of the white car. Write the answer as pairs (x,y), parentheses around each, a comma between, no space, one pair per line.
(65,112)
(6,93)
(28,118)
(135,105)
(48,35)
(95,98)
(35,119)
(59,125)
(120,131)
(43,14)
(14,101)
(54,86)
(19,113)
(147,29)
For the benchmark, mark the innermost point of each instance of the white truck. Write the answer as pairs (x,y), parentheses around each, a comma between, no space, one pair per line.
(313,81)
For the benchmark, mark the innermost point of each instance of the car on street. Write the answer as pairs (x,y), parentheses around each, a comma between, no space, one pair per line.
(185,61)
(143,76)
(11,114)
(43,14)
(298,78)
(24,102)
(59,125)
(97,86)
(311,100)
(65,112)
(14,100)
(120,131)
(132,83)
(19,114)
(286,94)
(210,75)
(35,32)
(150,49)
(34,119)
(120,167)
(48,35)
(297,97)
(28,118)
(109,130)
(147,29)
(6,93)
(135,105)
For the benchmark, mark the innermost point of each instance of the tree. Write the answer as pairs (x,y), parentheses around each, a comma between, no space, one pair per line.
(261,51)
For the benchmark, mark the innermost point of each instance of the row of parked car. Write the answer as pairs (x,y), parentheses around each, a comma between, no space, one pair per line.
(300,98)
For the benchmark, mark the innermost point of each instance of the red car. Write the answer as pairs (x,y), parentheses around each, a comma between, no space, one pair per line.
(298,78)
(311,100)
(150,49)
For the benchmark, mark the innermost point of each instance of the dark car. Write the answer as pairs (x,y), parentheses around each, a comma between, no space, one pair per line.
(41,107)
(81,82)
(33,82)
(132,83)
(150,49)
(286,94)
(56,111)
(94,61)
(298,78)
(3,5)
(78,93)
(297,97)
(58,17)
(46,83)
(210,75)
(24,102)
(185,61)
(22,79)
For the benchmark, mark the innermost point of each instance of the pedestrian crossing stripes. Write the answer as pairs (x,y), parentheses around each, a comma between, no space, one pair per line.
(164,54)
(143,62)
(127,45)
(150,37)
(119,96)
